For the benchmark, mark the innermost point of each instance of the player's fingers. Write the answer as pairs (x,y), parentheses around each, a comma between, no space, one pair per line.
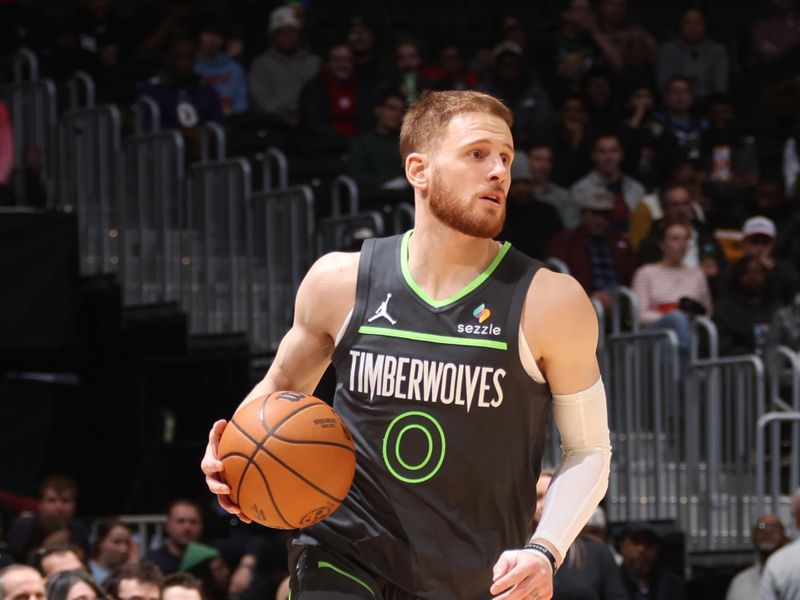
(216,433)
(217,487)
(502,566)
(522,591)
(508,580)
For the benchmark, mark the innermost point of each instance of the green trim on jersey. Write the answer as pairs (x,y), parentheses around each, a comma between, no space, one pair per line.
(458,295)
(323,564)
(432,338)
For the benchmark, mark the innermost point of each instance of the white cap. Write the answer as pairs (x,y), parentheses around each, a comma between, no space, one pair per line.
(283,16)
(759,226)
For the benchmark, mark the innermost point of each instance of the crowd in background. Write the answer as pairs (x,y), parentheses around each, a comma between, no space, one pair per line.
(205,554)
(620,130)
(665,159)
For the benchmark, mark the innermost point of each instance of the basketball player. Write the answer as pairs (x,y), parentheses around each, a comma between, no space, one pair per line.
(450,349)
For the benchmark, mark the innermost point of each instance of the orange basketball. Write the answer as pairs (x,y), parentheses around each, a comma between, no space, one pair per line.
(289,460)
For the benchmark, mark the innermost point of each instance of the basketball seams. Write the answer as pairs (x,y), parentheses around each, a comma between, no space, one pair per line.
(250,461)
(260,446)
(301,477)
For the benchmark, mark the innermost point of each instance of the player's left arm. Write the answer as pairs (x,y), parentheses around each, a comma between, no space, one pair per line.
(560,326)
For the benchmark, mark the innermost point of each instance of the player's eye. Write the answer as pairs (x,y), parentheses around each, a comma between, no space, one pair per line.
(475,153)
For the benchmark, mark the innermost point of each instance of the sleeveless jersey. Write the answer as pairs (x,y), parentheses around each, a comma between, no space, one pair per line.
(449,427)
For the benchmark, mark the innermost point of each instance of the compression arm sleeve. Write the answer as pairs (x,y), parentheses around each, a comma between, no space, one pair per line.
(581,480)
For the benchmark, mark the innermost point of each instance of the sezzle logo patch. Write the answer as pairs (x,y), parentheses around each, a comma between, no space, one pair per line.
(481,313)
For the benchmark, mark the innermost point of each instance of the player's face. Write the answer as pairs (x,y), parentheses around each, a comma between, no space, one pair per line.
(471,174)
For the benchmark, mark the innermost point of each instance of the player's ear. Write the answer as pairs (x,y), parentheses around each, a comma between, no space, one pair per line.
(417,171)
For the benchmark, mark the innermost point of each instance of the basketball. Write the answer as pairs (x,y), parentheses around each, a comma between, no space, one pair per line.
(288,459)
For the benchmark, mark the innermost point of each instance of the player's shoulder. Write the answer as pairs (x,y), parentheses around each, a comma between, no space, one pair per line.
(551,289)
(333,270)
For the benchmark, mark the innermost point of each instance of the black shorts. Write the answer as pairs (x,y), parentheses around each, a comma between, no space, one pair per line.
(317,574)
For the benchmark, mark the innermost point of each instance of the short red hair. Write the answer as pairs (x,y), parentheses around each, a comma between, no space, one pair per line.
(429,116)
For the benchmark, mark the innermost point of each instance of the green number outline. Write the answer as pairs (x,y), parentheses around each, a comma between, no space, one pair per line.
(388,433)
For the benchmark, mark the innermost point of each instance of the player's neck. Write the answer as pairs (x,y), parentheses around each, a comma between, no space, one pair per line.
(443,261)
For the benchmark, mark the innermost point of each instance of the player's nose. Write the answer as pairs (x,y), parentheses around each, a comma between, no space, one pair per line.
(499,170)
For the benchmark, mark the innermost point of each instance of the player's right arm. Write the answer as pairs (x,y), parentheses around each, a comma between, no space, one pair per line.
(324,299)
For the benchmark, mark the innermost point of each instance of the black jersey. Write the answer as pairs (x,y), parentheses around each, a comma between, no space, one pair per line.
(448,426)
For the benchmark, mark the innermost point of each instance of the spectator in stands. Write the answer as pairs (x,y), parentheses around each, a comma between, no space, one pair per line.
(56,558)
(785,327)
(596,529)
(21,582)
(693,56)
(184,101)
(781,577)
(588,569)
(206,564)
(596,255)
(731,155)
(217,69)
(642,573)
(278,75)
(599,96)
(59,494)
(182,586)
(675,204)
(375,156)
(540,160)
(361,40)
(758,241)
(745,308)
(113,547)
(668,292)
(449,72)
(72,585)
(580,45)
(406,76)
(141,581)
(530,222)
(6,156)
(571,142)
(677,120)
(768,536)
(607,176)
(774,35)
(640,132)
(184,524)
(634,45)
(149,31)
(333,105)
(521,92)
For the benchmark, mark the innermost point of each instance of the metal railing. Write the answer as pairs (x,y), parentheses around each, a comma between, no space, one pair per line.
(212,142)
(791,456)
(81,90)
(275,160)
(625,310)
(32,109)
(344,185)
(146,115)
(151,217)
(281,249)
(722,401)
(643,381)
(402,218)
(90,162)
(347,232)
(215,285)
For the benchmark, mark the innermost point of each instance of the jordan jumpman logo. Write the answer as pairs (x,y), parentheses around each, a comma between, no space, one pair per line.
(382,312)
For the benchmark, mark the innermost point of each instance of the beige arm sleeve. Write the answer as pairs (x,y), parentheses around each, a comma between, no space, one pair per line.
(581,480)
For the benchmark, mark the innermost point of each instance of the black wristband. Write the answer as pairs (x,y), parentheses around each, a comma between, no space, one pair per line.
(543,550)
